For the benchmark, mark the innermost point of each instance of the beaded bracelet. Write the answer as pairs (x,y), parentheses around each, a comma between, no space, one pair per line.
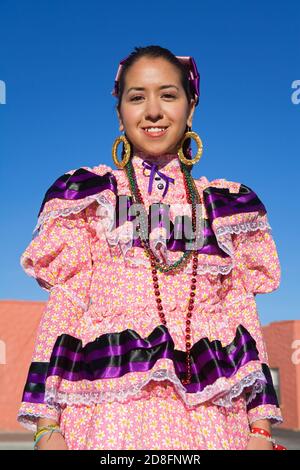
(259,432)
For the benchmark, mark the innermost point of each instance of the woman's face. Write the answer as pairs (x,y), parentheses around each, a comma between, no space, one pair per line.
(161,102)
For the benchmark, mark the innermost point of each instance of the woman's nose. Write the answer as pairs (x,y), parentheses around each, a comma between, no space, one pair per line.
(153,110)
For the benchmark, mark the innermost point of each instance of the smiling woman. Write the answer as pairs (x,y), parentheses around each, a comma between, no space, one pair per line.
(151,338)
(154,110)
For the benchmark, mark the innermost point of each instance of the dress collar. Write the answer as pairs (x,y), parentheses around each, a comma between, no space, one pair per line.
(166,162)
(166,166)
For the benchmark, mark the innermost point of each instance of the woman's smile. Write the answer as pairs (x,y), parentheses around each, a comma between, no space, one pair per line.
(155,132)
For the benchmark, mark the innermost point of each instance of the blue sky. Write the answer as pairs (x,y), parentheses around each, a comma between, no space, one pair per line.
(58,60)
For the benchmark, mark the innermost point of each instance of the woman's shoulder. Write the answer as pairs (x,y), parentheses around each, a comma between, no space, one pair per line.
(203,182)
(100,169)
(222,197)
(75,189)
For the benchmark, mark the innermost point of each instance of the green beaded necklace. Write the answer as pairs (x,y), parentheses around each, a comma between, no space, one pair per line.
(193,198)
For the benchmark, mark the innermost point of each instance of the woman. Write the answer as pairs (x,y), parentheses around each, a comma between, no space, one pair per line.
(150,338)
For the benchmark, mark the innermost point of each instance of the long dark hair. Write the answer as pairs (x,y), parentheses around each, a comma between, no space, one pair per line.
(153,52)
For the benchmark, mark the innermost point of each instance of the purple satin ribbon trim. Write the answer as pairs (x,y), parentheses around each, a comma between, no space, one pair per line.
(119,371)
(117,350)
(263,398)
(222,203)
(210,360)
(33,397)
(75,194)
(36,378)
(80,184)
(110,372)
(268,395)
(219,202)
(154,169)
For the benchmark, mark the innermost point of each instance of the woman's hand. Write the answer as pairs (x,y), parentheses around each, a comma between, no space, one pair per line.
(54,441)
(257,443)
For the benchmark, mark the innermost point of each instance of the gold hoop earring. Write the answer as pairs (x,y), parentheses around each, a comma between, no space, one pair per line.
(121,164)
(195,136)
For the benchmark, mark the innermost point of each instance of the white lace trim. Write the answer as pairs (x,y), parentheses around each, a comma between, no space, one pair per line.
(244,227)
(162,251)
(274,418)
(100,198)
(217,392)
(123,235)
(238,388)
(225,231)
(28,419)
(257,388)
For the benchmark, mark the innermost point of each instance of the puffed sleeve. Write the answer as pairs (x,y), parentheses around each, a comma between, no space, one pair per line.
(59,258)
(258,269)
(240,222)
(257,258)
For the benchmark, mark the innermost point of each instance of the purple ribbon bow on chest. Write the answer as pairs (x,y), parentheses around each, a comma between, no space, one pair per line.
(153,167)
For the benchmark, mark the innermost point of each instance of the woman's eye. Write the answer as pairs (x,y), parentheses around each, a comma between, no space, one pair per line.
(134,98)
(166,94)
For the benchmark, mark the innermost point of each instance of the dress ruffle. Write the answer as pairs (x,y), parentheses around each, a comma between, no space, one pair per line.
(117,365)
(75,190)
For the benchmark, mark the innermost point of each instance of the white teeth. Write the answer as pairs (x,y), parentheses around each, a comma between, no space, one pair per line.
(155,129)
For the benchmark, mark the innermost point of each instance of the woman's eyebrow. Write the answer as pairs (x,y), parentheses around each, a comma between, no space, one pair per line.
(160,88)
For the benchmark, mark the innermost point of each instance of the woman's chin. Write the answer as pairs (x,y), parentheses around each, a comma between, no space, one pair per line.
(154,150)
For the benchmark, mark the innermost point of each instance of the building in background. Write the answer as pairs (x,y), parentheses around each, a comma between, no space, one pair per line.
(19,321)
(283,346)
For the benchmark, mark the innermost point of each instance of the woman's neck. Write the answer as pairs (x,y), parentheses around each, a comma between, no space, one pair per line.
(159,160)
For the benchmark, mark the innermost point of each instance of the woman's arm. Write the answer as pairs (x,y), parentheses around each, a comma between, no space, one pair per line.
(59,258)
(54,441)
(257,443)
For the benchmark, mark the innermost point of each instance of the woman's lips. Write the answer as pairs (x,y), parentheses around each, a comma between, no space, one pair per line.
(155,134)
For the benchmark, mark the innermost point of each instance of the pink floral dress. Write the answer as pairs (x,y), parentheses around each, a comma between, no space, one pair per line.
(103,365)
